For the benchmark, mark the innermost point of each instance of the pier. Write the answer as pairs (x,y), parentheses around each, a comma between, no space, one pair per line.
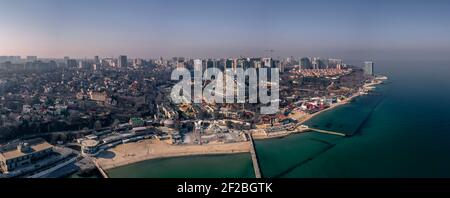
(328,132)
(100,169)
(303,128)
(254,157)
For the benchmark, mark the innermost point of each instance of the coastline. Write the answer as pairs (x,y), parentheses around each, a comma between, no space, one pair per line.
(307,118)
(125,154)
(131,153)
(346,101)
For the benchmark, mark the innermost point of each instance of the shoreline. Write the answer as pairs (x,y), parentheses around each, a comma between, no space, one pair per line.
(307,118)
(108,164)
(131,153)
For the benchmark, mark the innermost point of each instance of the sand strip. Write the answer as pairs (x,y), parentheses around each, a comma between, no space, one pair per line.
(150,149)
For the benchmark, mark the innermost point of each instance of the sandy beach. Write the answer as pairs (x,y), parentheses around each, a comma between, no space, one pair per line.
(150,149)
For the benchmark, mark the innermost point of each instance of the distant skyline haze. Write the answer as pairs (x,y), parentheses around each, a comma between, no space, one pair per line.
(347,29)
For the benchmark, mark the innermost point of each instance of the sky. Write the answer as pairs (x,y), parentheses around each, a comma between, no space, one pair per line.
(349,29)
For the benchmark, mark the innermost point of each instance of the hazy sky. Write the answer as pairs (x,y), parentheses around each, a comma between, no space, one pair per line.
(219,28)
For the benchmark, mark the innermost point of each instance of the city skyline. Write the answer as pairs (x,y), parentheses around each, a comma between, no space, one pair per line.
(257,91)
(347,29)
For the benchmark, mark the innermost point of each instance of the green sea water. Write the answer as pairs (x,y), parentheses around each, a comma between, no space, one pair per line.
(401,130)
(211,166)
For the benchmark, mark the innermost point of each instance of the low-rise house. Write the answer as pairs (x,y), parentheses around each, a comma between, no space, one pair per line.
(20,154)
(137,122)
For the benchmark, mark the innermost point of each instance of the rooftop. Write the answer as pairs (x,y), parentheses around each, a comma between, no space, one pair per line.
(89,143)
(11,151)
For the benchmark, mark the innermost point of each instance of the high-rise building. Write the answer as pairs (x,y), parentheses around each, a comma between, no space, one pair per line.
(368,68)
(32,58)
(209,63)
(323,63)
(221,64)
(122,61)
(198,64)
(12,59)
(82,64)
(215,63)
(137,63)
(71,63)
(228,64)
(335,63)
(305,63)
(181,64)
(240,63)
(109,62)
(267,62)
(315,62)
(96,60)
(281,65)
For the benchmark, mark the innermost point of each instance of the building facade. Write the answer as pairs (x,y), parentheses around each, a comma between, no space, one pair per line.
(368,68)
(20,154)
(122,62)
